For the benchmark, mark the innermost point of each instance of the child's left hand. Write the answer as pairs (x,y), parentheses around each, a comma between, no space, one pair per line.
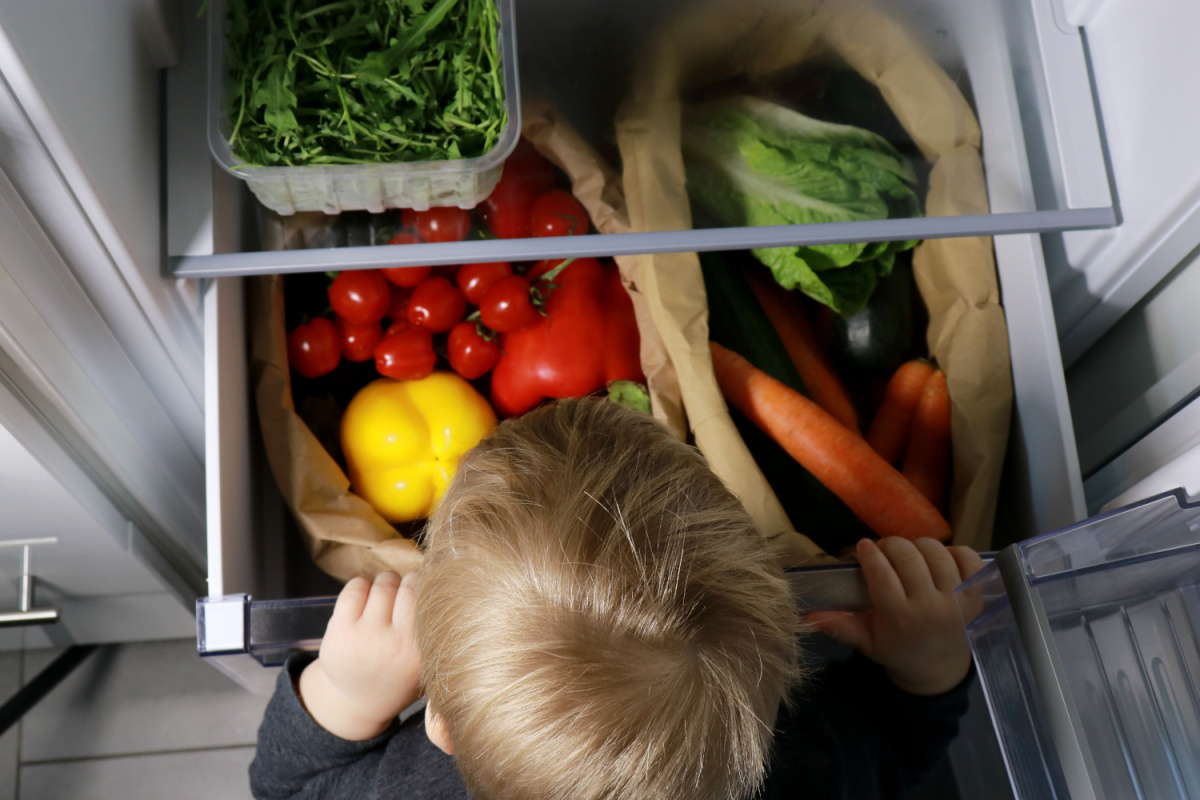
(913,628)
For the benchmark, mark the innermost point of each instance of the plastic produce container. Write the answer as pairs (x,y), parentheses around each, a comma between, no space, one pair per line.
(367,187)
(1088,648)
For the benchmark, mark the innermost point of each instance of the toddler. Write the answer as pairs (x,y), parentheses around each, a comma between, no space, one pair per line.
(598,617)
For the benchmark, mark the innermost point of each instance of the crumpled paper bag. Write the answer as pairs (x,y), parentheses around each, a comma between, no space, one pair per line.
(957,279)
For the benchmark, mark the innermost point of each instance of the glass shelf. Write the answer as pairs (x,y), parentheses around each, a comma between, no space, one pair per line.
(1022,71)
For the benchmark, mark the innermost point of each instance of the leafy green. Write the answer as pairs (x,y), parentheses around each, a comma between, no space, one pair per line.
(629,394)
(312,82)
(752,162)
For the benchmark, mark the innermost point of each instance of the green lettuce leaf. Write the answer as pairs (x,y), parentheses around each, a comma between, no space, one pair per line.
(751,162)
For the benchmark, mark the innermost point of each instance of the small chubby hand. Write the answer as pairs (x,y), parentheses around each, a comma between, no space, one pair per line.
(369,667)
(914,628)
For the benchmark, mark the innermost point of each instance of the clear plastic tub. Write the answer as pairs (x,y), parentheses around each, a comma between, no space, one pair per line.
(1088,648)
(369,187)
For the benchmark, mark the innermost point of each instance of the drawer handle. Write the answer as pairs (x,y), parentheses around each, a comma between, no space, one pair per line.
(26,614)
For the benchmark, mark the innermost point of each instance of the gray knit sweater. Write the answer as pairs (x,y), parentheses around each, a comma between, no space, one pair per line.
(851,734)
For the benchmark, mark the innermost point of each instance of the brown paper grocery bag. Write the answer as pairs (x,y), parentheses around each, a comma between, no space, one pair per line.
(956,278)
(344,535)
(598,187)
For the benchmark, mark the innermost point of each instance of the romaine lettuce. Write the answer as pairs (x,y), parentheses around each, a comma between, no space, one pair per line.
(753,162)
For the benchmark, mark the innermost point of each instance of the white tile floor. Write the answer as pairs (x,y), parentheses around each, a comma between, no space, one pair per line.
(134,722)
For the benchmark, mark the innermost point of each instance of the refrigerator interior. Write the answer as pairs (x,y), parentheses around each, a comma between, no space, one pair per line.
(1018,89)
(1028,87)
(1041,155)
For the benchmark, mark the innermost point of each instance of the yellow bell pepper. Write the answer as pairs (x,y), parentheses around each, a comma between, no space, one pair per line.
(403,440)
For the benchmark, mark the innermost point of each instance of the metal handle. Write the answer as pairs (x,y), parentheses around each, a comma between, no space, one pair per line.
(270,630)
(26,614)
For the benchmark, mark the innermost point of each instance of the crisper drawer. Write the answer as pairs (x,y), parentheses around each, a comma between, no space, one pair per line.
(1022,71)
(267,599)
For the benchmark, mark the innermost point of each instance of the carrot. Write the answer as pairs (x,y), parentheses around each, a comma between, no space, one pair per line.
(788,318)
(889,429)
(873,489)
(927,458)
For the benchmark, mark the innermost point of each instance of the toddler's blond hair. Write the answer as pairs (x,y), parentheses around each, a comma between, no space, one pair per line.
(599,616)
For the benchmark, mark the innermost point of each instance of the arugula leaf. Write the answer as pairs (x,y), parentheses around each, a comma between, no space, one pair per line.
(383,64)
(277,99)
(363,81)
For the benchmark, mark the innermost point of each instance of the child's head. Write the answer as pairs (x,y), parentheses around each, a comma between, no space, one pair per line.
(599,617)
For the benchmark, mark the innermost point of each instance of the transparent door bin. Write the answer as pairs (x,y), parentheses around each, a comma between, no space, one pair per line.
(1088,648)
(367,187)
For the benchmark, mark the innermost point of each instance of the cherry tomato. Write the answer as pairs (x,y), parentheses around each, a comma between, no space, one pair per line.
(398,307)
(443,224)
(471,354)
(507,306)
(405,276)
(475,279)
(314,348)
(406,355)
(531,167)
(358,339)
(360,295)
(397,325)
(557,213)
(407,222)
(436,305)
(526,176)
(408,219)
(447,271)
(506,210)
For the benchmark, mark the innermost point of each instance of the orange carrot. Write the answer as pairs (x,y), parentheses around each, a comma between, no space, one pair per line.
(788,318)
(927,457)
(889,429)
(873,489)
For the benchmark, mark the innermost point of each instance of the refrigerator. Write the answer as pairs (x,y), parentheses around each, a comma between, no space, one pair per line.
(137,483)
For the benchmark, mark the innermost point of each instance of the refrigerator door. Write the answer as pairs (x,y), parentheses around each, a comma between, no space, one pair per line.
(1143,67)
(81,112)
(76,402)
(1166,458)
(103,351)
(1087,651)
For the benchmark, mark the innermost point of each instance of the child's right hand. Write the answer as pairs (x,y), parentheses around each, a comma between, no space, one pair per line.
(914,628)
(369,668)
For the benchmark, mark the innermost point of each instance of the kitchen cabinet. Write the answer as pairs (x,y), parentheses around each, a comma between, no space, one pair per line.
(122,338)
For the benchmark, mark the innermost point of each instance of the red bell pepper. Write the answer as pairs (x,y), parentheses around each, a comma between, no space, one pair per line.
(587,338)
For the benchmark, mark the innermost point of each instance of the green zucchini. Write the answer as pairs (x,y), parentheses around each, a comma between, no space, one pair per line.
(736,321)
(880,338)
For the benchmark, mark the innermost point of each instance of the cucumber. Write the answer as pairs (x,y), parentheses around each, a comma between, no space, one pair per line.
(737,322)
(880,338)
